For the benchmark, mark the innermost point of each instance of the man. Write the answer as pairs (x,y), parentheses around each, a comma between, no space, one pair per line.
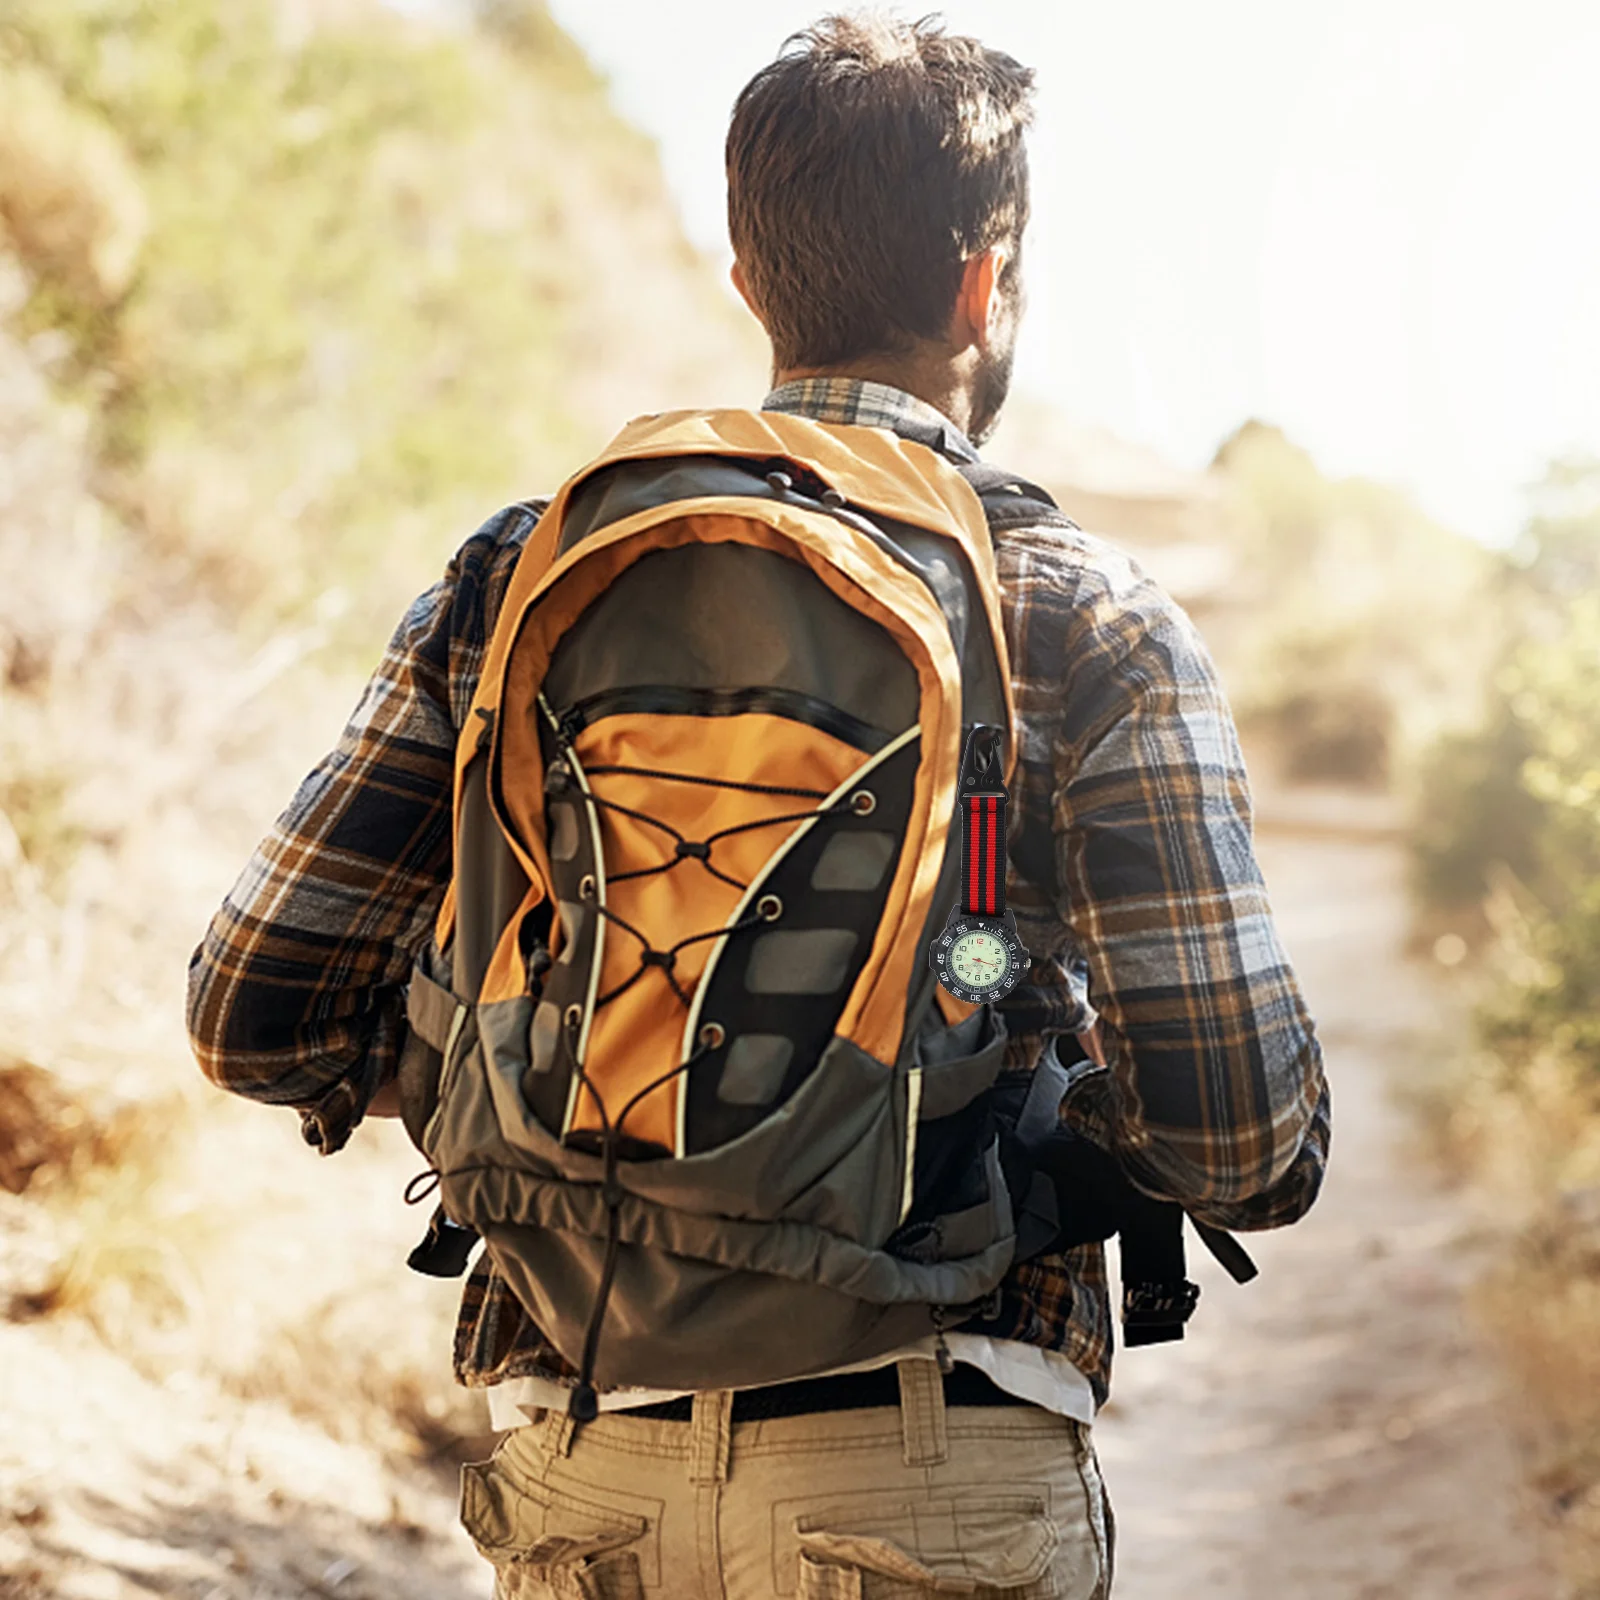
(877,201)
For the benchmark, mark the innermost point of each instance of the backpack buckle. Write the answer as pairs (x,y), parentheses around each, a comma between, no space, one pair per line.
(1153,1313)
(445,1248)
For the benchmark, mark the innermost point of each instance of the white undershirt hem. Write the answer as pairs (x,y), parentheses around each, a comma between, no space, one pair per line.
(1044,1377)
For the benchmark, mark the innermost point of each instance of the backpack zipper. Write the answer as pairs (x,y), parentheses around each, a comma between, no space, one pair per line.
(575,767)
(671,700)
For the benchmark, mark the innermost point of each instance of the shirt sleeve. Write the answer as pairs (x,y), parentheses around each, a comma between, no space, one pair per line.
(296,992)
(1215,1094)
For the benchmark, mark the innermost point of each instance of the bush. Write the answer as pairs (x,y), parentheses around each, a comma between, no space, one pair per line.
(1521,793)
(71,208)
(360,318)
(1365,630)
(1511,819)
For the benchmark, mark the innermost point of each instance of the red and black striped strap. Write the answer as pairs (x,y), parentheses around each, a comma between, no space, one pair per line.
(983,854)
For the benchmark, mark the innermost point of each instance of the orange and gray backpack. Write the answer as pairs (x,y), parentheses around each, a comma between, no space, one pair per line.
(678,1053)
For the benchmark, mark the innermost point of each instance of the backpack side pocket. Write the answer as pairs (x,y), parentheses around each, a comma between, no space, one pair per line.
(432,1011)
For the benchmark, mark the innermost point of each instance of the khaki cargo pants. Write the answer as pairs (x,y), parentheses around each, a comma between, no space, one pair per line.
(1000,1502)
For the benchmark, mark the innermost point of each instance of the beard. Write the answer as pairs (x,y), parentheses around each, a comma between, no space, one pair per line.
(992,381)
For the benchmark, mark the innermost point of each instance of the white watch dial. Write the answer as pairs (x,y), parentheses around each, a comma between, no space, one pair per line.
(978,959)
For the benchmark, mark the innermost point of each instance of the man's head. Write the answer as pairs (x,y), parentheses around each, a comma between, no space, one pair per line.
(877,196)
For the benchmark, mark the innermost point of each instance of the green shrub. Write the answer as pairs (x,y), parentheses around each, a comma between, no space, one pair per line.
(1511,818)
(1522,791)
(374,250)
(1521,797)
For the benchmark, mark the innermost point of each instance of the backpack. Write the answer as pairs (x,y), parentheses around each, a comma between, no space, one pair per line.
(676,1052)
(692,1079)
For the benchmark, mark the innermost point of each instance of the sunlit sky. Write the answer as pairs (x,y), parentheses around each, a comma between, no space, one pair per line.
(1374,222)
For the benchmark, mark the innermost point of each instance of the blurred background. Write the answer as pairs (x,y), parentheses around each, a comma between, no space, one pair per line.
(295,293)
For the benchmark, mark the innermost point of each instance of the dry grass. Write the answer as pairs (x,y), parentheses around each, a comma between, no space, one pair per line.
(1543,1306)
(145,747)
(104,1236)
(44,1133)
(147,737)
(1530,1144)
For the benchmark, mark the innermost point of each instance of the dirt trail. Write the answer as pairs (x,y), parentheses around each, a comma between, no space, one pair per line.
(1333,1429)
(1330,1432)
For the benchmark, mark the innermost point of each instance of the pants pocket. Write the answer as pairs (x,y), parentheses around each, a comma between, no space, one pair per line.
(544,1542)
(986,1545)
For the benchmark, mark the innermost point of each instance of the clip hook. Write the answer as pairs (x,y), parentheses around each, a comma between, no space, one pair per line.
(980,763)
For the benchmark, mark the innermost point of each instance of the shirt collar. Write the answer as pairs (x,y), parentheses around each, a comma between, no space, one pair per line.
(862,403)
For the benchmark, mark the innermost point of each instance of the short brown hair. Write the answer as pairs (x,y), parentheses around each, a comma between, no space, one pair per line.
(865,165)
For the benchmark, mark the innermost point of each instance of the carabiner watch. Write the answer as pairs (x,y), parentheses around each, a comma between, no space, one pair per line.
(978,957)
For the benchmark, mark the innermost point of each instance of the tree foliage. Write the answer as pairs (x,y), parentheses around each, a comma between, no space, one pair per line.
(331,283)
(1518,801)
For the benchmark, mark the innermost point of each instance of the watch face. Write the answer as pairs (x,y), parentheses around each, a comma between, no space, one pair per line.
(977,960)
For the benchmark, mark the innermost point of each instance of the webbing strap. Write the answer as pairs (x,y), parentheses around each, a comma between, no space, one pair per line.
(1038,1211)
(1040,1117)
(983,823)
(1010,501)
(983,854)
(987,481)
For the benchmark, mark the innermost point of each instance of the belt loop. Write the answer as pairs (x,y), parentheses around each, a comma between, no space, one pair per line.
(557,1432)
(710,1430)
(922,1413)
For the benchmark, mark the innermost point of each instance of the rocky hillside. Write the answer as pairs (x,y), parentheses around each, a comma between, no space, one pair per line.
(291,298)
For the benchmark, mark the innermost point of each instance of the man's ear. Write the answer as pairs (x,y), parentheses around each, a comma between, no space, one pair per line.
(978,298)
(737,278)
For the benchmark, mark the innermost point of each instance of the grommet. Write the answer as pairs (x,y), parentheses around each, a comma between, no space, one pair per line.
(573,1017)
(711,1034)
(833,500)
(863,802)
(586,886)
(779,482)
(769,908)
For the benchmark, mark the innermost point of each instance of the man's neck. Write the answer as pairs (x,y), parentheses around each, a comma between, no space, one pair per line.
(936,383)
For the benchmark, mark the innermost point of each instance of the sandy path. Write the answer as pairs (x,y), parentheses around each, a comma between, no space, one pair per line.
(1330,1432)
(1333,1429)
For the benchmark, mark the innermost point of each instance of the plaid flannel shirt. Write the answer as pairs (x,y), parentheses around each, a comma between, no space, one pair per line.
(1131,874)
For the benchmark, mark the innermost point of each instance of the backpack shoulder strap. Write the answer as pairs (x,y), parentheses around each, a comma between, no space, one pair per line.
(1010,501)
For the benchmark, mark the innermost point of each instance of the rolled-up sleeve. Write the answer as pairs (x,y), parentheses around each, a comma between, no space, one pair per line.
(296,992)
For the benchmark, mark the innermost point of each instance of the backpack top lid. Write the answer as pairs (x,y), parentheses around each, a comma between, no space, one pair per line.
(874,470)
